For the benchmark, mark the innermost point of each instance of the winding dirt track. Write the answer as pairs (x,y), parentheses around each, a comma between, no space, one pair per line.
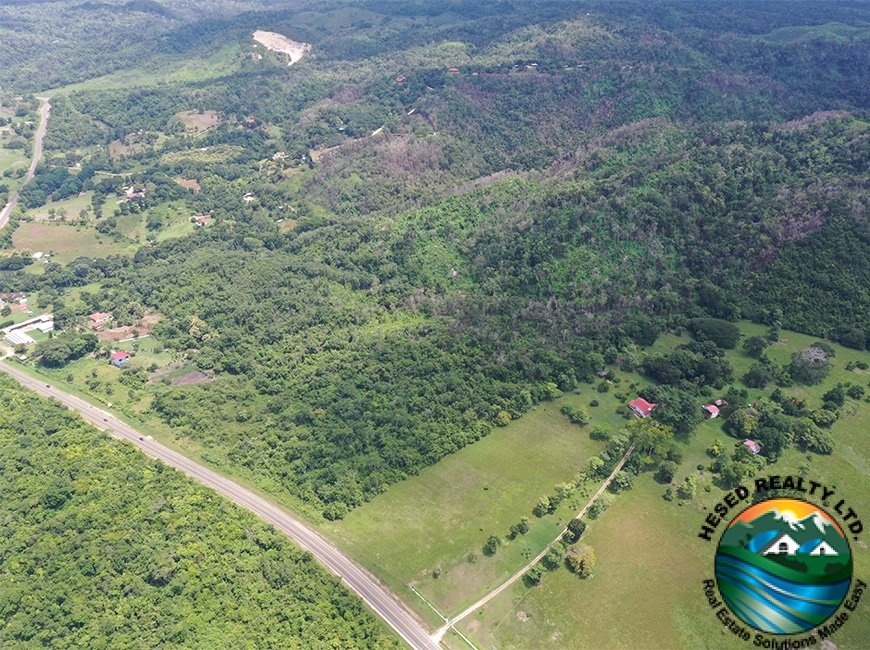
(44,110)
(384,603)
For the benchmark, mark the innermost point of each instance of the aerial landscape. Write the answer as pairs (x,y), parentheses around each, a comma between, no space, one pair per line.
(445,324)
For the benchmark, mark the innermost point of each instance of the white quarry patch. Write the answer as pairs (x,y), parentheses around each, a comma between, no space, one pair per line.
(279,43)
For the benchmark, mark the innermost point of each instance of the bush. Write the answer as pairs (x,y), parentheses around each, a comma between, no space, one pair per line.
(837,395)
(601,504)
(534,574)
(576,528)
(720,332)
(855,392)
(491,546)
(581,560)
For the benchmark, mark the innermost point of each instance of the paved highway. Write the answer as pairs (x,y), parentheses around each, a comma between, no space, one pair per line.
(37,156)
(366,586)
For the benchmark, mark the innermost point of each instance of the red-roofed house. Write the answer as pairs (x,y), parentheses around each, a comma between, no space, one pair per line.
(202,219)
(641,407)
(453,70)
(710,411)
(752,446)
(98,320)
(120,357)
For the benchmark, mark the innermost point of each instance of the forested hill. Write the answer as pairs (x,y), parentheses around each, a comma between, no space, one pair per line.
(357,352)
(447,211)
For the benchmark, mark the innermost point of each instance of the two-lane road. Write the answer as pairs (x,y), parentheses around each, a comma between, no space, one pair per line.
(366,586)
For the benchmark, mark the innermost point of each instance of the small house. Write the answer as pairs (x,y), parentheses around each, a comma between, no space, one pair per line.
(201,220)
(453,70)
(641,407)
(823,549)
(119,358)
(782,544)
(710,411)
(752,446)
(98,320)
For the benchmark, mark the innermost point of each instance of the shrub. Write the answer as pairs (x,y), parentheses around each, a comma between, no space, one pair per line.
(601,504)
(581,560)
(720,332)
(855,392)
(491,546)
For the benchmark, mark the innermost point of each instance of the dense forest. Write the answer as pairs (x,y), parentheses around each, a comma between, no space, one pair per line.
(103,548)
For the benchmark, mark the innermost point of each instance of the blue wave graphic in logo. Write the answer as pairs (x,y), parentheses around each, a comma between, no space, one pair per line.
(772,603)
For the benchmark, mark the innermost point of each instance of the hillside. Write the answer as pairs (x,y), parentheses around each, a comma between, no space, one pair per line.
(331,275)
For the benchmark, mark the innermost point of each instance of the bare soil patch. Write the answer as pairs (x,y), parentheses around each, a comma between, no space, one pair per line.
(195,377)
(279,43)
(145,326)
(189,184)
(200,121)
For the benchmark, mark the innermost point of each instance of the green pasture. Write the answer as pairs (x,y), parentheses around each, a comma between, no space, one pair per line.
(445,515)
(65,242)
(176,230)
(70,207)
(650,562)
(9,159)
(100,380)
(160,70)
(649,571)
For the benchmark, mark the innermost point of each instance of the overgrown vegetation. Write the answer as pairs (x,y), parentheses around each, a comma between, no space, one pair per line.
(104,548)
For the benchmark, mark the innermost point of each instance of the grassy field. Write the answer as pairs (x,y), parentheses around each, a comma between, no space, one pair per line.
(71,207)
(446,514)
(64,242)
(10,159)
(646,590)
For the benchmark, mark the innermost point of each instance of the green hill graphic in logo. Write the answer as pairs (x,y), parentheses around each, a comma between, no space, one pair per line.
(783,566)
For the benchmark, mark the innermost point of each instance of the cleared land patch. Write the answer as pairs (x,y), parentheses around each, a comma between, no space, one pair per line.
(65,242)
(279,43)
(200,121)
(444,515)
(644,592)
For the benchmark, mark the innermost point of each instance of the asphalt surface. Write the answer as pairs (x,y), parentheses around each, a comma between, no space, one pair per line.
(374,594)
(37,156)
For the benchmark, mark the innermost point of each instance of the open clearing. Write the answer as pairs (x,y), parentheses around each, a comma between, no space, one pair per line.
(64,242)
(278,43)
(650,562)
(449,510)
(646,589)
(143,328)
(200,121)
